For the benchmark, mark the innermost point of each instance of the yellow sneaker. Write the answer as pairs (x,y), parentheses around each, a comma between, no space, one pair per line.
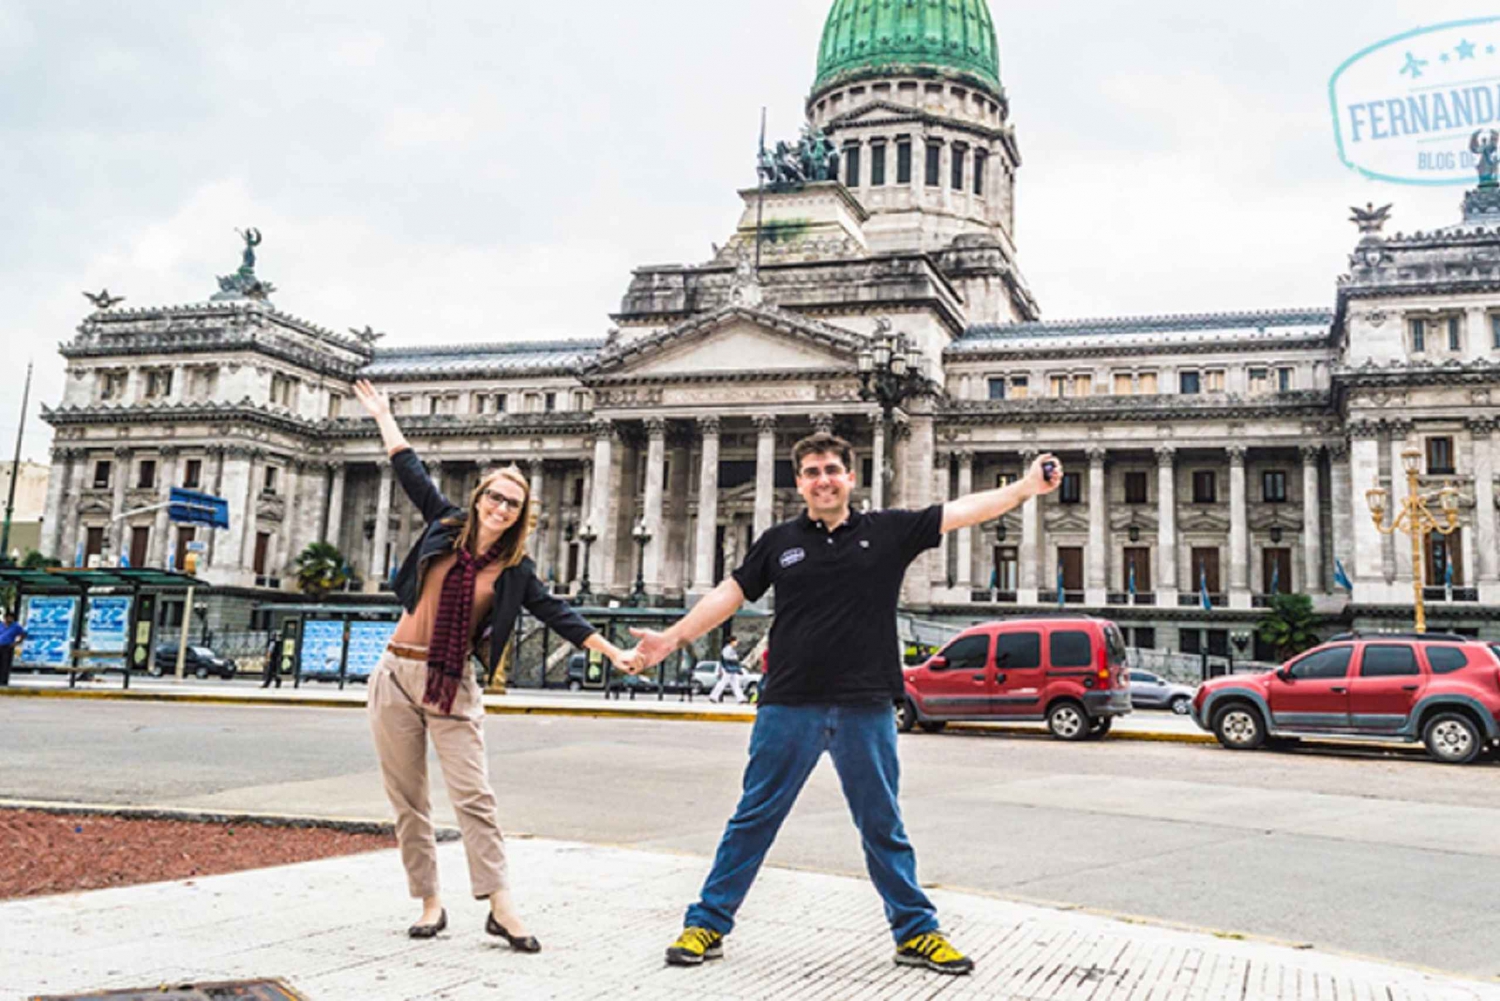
(695,945)
(933,950)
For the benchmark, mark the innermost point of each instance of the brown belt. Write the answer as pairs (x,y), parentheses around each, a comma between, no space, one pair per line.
(407,652)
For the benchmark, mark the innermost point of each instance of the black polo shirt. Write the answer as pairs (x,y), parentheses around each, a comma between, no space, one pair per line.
(834,635)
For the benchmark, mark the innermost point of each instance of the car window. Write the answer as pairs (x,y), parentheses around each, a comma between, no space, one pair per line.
(967,653)
(1330,663)
(202,651)
(1114,642)
(1018,651)
(1071,648)
(1144,679)
(1447,659)
(1386,660)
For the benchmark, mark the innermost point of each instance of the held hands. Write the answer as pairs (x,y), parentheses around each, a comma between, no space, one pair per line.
(625,660)
(1045,474)
(653,647)
(373,400)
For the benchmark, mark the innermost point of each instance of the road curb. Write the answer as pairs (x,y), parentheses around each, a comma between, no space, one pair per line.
(242,818)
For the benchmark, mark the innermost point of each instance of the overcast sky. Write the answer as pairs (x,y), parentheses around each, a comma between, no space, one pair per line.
(473,170)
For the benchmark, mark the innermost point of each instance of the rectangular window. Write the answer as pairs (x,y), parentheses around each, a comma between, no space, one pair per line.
(1388,660)
(959,156)
(1070,561)
(1260,380)
(1455,334)
(500,403)
(1135,487)
(140,545)
(1124,384)
(1188,382)
(1204,486)
(851,166)
(1495,332)
(997,388)
(1058,385)
(145,475)
(434,404)
(1145,637)
(980,156)
(549,403)
(903,162)
(877,164)
(1213,381)
(94,543)
(934,165)
(192,475)
(158,383)
(1007,569)
(1071,491)
(1083,385)
(1070,648)
(1018,386)
(1440,550)
(111,385)
(1273,486)
(1004,479)
(335,406)
(1137,565)
(1440,456)
(1146,383)
(101,474)
(262,549)
(1276,570)
(268,485)
(1205,567)
(1418,336)
(1284,380)
(1018,651)
(185,534)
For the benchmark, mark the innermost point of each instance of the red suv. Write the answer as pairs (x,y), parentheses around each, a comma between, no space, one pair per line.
(1069,672)
(1441,689)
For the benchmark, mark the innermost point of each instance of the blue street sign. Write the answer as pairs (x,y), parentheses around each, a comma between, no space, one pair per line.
(194,507)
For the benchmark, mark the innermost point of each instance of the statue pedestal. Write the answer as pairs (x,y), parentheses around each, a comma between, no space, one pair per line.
(820,221)
(1482,207)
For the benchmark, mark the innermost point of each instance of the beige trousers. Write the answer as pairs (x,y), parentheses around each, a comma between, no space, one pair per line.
(401,725)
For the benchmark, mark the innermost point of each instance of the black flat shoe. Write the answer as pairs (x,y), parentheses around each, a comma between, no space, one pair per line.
(520,944)
(429,931)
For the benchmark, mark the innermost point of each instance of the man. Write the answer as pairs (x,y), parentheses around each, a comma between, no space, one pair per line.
(272,671)
(11,634)
(834,677)
(730,673)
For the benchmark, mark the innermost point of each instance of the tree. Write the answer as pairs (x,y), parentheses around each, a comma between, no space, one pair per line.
(1289,627)
(34,560)
(321,568)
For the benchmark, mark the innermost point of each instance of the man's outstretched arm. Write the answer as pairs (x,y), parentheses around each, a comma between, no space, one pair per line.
(716,606)
(987,505)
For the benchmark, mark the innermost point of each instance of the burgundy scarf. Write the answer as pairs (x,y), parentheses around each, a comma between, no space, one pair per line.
(448,649)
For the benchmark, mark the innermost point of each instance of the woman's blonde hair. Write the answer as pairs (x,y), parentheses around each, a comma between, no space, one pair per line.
(513,542)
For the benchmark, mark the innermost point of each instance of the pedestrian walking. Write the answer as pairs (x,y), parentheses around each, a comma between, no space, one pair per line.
(834,678)
(467,570)
(11,636)
(272,670)
(730,673)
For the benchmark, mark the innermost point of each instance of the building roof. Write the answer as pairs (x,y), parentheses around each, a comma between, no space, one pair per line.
(1271,324)
(519,358)
(862,39)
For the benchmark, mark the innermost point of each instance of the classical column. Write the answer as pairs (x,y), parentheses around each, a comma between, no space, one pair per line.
(379,564)
(57,488)
(601,559)
(333,515)
(216,455)
(708,506)
(765,470)
(1097,575)
(255,473)
(1312,535)
(1166,524)
(166,478)
(1399,543)
(536,485)
(656,470)
(69,500)
(1486,543)
(918,443)
(877,461)
(965,579)
(1031,537)
(1368,567)
(1239,531)
(116,534)
(1341,505)
(898,492)
(587,463)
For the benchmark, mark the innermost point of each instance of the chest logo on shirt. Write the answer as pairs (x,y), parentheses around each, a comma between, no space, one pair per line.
(792,556)
(864,543)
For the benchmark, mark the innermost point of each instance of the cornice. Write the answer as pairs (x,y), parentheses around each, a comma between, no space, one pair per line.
(1072,350)
(1162,407)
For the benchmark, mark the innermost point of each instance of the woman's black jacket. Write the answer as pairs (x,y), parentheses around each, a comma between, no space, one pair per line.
(515,586)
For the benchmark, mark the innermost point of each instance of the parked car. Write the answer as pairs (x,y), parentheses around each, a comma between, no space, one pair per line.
(618,680)
(1070,673)
(1152,691)
(706,675)
(199,662)
(1437,688)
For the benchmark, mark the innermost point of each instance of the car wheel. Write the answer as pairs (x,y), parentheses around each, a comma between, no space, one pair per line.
(1068,721)
(906,716)
(201,672)
(1181,704)
(574,685)
(1100,726)
(1452,738)
(933,726)
(1239,727)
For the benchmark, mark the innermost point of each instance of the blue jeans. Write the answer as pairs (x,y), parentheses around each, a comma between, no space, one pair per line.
(785,746)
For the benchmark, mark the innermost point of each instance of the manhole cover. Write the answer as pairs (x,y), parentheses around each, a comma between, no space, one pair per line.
(237,990)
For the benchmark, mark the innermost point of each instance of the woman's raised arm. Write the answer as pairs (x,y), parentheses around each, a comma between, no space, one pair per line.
(378,407)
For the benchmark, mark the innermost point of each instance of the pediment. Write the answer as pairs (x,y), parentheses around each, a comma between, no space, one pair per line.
(881,109)
(1202,521)
(735,340)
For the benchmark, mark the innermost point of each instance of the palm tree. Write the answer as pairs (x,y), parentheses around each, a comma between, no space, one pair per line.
(1289,627)
(321,568)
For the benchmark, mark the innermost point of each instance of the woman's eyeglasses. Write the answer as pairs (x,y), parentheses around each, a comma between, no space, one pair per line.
(496,497)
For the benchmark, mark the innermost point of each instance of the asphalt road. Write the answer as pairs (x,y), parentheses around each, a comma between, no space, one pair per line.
(1383,855)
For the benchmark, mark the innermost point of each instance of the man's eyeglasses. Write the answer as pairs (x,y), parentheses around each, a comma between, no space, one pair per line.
(813,472)
(496,497)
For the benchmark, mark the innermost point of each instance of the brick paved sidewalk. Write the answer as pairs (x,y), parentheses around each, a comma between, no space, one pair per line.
(334,930)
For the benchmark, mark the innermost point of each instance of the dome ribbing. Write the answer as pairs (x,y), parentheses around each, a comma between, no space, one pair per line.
(884,37)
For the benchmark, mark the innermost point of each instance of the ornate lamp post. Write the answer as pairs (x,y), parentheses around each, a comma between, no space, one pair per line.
(1240,638)
(588,537)
(891,371)
(1416,519)
(642,536)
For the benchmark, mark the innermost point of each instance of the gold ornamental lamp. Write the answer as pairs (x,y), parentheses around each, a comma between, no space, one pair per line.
(1414,516)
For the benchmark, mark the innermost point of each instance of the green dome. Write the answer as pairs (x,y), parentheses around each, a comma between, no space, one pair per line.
(865,37)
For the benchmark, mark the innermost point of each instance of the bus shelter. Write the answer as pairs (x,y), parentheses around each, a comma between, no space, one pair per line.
(83,621)
(330,642)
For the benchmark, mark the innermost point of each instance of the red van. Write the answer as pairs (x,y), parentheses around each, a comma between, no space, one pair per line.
(1069,672)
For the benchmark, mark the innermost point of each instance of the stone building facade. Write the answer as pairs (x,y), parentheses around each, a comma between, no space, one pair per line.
(1226,454)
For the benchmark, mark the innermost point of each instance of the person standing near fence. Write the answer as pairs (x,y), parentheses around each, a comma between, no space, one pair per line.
(11,636)
(468,569)
(731,673)
(272,670)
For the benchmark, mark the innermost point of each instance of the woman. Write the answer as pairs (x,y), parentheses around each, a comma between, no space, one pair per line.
(469,569)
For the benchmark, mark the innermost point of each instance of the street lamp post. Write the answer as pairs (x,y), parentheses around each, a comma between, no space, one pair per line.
(891,371)
(588,537)
(1240,639)
(642,536)
(1416,519)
